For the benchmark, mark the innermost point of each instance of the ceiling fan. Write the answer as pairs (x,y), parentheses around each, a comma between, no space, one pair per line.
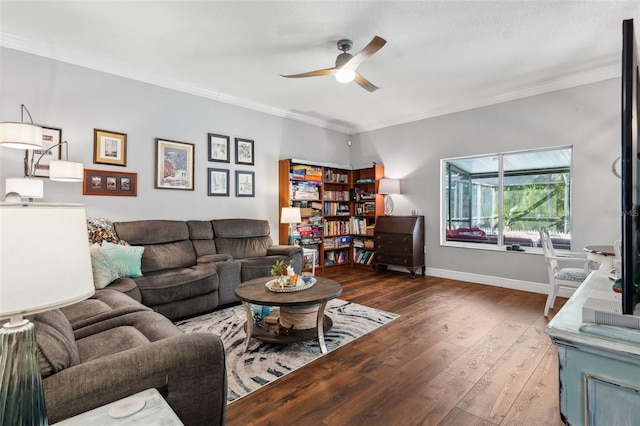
(347,64)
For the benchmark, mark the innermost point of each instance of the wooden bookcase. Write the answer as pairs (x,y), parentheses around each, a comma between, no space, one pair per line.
(339,207)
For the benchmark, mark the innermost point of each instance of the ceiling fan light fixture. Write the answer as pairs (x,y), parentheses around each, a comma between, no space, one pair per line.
(345,75)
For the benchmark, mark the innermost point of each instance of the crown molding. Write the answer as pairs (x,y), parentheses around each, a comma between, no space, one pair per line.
(123,70)
(567,82)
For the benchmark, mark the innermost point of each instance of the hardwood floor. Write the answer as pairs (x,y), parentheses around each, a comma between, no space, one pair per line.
(460,354)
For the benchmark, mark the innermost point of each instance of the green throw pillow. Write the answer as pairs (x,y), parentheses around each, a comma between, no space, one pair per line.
(104,271)
(127,259)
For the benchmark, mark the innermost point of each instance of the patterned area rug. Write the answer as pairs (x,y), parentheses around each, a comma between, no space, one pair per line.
(265,362)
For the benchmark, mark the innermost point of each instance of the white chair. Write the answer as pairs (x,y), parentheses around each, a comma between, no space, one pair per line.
(561,276)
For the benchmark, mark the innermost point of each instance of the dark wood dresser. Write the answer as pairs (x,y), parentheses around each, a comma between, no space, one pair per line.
(399,241)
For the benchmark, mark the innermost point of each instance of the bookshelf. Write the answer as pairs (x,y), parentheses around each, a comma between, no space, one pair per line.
(339,206)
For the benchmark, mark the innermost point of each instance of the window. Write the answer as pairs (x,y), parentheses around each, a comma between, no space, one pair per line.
(504,199)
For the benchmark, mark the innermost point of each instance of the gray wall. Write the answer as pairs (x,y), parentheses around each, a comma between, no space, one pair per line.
(586,117)
(79,100)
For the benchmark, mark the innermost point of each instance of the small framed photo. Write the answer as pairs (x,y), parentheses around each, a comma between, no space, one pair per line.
(219,148)
(50,138)
(218,183)
(109,148)
(245,184)
(244,151)
(107,182)
(174,165)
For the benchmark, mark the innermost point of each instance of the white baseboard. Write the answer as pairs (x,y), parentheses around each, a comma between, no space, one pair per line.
(529,286)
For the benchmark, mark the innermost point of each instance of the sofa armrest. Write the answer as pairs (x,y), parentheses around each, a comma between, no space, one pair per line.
(283,250)
(189,370)
(212,258)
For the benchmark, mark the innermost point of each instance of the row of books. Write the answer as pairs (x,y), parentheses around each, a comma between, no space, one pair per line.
(337,242)
(359,194)
(335,176)
(335,195)
(363,256)
(336,209)
(358,225)
(359,242)
(304,191)
(365,208)
(303,172)
(336,227)
(335,257)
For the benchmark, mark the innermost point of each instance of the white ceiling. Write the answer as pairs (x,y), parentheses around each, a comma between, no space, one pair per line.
(440,57)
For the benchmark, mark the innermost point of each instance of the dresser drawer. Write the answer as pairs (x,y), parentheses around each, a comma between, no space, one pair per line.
(393,259)
(396,240)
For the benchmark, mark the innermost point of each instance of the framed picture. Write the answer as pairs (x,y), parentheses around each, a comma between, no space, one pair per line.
(174,164)
(218,183)
(109,148)
(107,182)
(245,184)
(219,148)
(244,151)
(50,138)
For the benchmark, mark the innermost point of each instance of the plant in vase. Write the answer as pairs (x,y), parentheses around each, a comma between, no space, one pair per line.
(284,273)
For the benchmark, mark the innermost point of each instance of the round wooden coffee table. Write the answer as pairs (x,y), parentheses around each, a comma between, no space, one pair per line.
(255,291)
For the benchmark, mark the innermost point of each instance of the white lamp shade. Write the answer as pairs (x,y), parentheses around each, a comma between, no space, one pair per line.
(20,135)
(66,171)
(389,186)
(26,187)
(44,257)
(290,215)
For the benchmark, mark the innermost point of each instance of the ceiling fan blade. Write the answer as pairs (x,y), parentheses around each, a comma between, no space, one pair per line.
(317,73)
(371,48)
(364,83)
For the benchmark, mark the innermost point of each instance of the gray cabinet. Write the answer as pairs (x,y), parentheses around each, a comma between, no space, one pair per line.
(599,365)
(399,241)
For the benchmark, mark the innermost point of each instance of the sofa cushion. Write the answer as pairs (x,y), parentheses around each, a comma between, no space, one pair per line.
(104,271)
(175,284)
(240,228)
(57,347)
(204,247)
(242,248)
(111,341)
(144,232)
(200,229)
(159,257)
(127,259)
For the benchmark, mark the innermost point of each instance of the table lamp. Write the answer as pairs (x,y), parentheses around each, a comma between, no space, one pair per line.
(44,264)
(387,187)
(290,215)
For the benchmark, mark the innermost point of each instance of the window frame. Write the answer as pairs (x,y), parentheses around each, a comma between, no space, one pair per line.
(499,246)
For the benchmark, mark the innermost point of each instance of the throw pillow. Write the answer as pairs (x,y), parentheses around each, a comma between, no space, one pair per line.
(104,271)
(127,259)
(100,230)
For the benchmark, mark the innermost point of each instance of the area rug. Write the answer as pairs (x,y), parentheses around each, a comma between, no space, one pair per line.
(265,362)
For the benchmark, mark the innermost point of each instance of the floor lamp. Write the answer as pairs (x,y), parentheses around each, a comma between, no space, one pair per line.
(290,215)
(44,264)
(387,187)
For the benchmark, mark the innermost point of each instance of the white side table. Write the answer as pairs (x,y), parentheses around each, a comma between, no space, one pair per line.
(314,254)
(156,411)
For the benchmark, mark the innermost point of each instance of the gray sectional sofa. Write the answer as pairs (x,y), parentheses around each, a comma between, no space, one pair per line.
(191,267)
(113,344)
(109,347)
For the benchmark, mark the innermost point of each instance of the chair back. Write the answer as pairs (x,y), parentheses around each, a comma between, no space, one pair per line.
(547,249)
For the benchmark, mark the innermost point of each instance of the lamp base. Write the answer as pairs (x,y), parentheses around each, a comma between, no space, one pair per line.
(388,205)
(21,392)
